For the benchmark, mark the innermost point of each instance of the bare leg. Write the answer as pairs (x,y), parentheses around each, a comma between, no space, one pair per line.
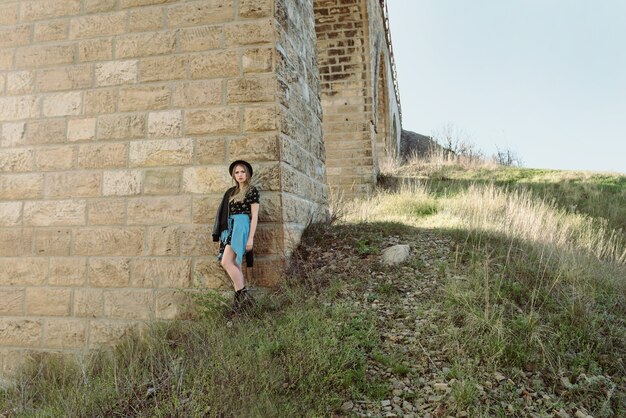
(232,269)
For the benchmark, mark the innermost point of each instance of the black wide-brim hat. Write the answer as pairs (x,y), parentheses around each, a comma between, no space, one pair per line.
(240,162)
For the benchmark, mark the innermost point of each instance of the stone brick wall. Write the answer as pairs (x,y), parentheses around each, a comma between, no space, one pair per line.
(118,119)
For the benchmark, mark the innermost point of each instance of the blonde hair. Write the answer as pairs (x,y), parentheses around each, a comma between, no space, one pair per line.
(241,191)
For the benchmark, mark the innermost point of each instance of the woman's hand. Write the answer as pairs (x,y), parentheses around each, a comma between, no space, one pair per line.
(249,244)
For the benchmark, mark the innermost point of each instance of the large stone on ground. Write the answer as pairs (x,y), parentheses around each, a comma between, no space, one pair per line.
(396,254)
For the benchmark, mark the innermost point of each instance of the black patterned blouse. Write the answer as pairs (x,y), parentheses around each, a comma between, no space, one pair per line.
(243,207)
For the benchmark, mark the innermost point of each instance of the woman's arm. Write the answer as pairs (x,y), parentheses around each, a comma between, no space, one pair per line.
(254,218)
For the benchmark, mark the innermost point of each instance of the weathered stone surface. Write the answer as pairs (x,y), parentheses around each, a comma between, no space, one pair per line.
(99,6)
(73,184)
(259,32)
(257,60)
(109,272)
(15,36)
(56,241)
(210,151)
(66,333)
(108,241)
(163,240)
(48,302)
(95,50)
(204,208)
(162,272)
(121,126)
(251,90)
(174,304)
(44,56)
(128,304)
(21,186)
(197,93)
(20,332)
(67,78)
(100,101)
(221,120)
(165,124)
(23,271)
(255,8)
(54,212)
(46,9)
(93,26)
(208,273)
(103,333)
(161,181)
(12,134)
(200,13)
(144,98)
(88,303)
(6,59)
(45,131)
(20,82)
(214,64)
(62,104)
(197,241)
(122,183)
(8,14)
(200,38)
(108,211)
(81,129)
(161,152)
(103,155)
(15,242)
(12,301)
(145,44)
(258,147)
(206,179)
(10,214)
(146,19)
(159,210)
(20,107)
(396,254)
(66,271)
(116,73)
(163,68)
(16,160)
(55,30)
(55,158)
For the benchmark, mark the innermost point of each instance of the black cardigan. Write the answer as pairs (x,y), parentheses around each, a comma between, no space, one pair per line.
(221,223)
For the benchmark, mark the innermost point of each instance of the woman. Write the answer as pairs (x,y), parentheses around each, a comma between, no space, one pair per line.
(235,226)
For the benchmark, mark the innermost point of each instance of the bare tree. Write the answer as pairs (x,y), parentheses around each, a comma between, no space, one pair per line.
(507,158)
(457,144)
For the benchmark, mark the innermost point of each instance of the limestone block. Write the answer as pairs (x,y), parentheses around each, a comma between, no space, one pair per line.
(56,241)
(268,177)
(128,304)
(45,131)
(88,303)
(103,155)
(197,93)
(146,19)
(159,181)
(161,152)
(196,240)
(12,301)
(95,50)
(249,33)
(116,73)
(103,333)
(122,183)
(6,59)
(12,134)
(163,68)
(21,186)
(255,8)
(204,208)
(163,240)
(20,107)
(201,38)
(216,64)
(206,179)
(174,304)
(256,147)
(159,210)
(269,239)
(81,129)
(250,90)
(271,207)
(94,26)
(55,30)
(268,271)
(121,126)
(106,211)
(73,184)
(162,272)
(258,119)
(8,14)
(210,151)
(62,104)
(100,101)
(54,212)
(125,4)
(46,9)
(145,44)
(55,158)
(68,78)
(10,214)
(144,98)
(20,82)
(17,160)
(15,36)
(48,302)
(99,6)
(65,271)
(23,271)
(109,272)
(198,13)
(108,241)
(44,56)
(222,120)
(257,60)
(166,124)
(16,242)
(67,333)
(20,332)
(208,273)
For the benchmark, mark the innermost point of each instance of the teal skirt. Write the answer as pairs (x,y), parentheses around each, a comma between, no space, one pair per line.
(236,236)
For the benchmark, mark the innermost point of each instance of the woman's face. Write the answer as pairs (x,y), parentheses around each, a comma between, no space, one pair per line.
(240,174)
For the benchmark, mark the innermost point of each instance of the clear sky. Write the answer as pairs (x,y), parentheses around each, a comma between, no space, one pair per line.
(543,78)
